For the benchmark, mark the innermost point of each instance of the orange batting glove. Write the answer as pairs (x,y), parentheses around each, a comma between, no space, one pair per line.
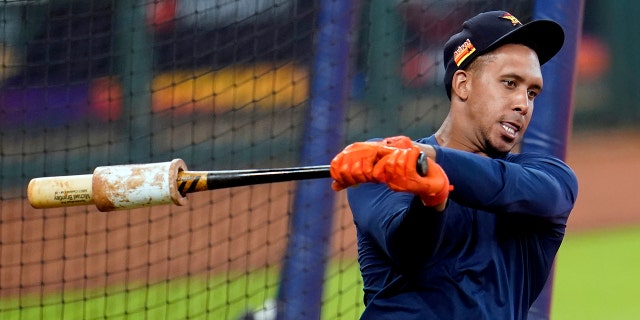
(354,165)
(397,168)
(401,142)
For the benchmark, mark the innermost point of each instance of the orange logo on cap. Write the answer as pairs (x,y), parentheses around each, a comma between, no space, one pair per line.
(463,52)
(511,18)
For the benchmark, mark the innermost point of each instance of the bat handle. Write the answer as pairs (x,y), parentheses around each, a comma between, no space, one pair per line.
(196,181)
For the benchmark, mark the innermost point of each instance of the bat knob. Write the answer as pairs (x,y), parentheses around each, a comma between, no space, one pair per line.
(421,166)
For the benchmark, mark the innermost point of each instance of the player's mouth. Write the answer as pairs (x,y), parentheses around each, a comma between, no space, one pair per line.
(510,129)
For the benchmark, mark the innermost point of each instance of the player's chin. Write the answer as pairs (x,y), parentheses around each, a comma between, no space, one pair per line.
(503,146)
(506,147)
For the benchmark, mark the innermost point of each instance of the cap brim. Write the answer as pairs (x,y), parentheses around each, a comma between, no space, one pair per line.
(545,37)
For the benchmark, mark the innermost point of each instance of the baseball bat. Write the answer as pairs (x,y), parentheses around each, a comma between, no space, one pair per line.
(123,187)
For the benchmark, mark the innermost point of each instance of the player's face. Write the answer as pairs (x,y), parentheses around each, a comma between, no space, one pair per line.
(501,97)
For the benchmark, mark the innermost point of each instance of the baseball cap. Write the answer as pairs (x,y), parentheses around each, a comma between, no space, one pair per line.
(489,30)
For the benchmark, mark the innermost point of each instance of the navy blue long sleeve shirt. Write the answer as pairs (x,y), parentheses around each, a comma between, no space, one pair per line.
(486,256)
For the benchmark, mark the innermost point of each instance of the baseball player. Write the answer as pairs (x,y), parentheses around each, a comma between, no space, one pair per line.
(476,237)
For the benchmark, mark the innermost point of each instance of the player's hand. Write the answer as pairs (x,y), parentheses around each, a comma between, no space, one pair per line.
(354,165)
(398,170)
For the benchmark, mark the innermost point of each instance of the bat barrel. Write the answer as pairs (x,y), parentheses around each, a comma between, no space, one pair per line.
(119,187)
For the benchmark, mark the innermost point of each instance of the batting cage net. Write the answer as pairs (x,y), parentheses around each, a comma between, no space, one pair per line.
(222,85)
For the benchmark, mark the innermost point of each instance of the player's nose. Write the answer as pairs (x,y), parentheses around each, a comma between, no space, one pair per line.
(522,104)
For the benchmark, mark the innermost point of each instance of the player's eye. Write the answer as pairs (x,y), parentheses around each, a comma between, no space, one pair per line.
(509,83)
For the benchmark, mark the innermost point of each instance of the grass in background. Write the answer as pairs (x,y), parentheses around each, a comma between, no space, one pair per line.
(220,297)
(598,276)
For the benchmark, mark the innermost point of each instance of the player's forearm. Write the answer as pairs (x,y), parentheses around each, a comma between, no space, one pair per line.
(398,224)
(536,185)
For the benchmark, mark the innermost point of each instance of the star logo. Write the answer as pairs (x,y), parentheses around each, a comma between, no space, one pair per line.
(510,17)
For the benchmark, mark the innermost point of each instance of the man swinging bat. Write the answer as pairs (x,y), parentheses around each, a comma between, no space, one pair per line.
(483,249)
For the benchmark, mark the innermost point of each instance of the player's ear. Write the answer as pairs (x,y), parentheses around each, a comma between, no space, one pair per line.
(460,84)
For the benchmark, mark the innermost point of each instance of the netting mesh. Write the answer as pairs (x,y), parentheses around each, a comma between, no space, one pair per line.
(221,85)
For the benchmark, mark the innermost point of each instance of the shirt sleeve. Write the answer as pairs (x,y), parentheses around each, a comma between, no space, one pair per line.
(530,184)
(403,228)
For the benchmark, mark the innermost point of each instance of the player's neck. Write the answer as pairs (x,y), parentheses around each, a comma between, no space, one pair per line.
(451,134)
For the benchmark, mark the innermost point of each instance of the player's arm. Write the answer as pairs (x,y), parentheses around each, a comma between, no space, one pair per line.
(390,201)
(404,229)
(531,184)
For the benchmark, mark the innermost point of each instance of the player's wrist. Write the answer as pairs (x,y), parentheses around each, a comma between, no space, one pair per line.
(436,187)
